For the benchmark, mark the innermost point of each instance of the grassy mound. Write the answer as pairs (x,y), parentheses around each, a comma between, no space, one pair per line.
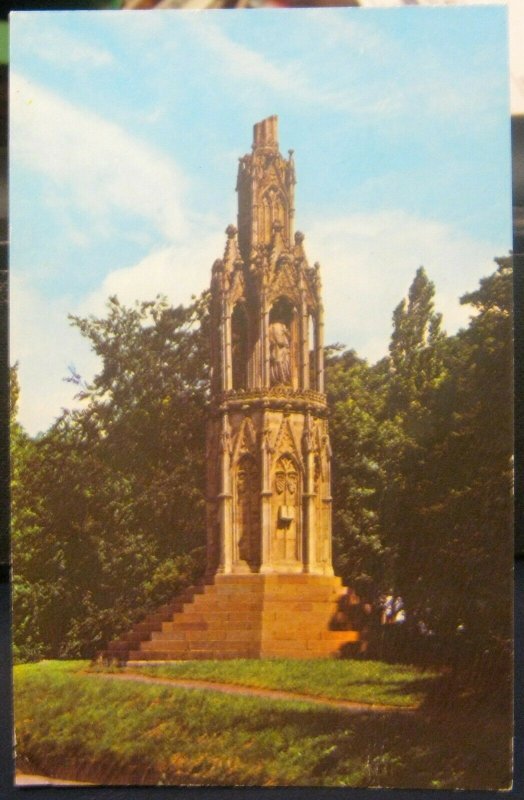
(71,724)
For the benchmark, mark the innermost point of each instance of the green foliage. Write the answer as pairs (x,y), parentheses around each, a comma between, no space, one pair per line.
(360,469)
(108,508)
(108,505)
(473,466)
(434,420)
(91,727)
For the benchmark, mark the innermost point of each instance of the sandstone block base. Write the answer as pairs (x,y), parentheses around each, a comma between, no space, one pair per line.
(242,616)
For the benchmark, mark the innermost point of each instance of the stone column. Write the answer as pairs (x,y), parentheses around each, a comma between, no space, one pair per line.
(225,499)
(228,360)
(319,328)
(265,496)
(254,219)
(264,343)
(305,344)
(328,506)
(310,530)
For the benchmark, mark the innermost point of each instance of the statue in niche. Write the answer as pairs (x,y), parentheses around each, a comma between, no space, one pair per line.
(279,353)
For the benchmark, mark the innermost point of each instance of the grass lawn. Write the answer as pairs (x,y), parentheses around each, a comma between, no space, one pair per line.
(361,681)
(74,725)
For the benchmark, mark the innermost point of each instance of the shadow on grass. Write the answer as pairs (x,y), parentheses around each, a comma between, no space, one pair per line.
(460,744)
(459,738)
(369,750)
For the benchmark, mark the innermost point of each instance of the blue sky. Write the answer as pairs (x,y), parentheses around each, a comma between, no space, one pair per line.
(126,129)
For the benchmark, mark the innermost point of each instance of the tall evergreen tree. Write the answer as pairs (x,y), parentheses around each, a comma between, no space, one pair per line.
(475,464)
(417,392)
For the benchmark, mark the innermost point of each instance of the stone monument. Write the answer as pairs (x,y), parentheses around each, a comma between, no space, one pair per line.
(268,443)
(270,589)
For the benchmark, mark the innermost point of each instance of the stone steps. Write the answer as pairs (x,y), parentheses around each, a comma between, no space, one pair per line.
(241,616)
(119,649)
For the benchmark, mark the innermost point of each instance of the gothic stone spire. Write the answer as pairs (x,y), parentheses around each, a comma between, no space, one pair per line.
(265,187)
(268,491)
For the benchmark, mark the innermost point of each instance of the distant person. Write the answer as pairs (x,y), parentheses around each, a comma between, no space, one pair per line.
(399,612)
(387,603)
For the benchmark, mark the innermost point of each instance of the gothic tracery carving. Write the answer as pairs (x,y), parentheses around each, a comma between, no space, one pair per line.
(286,478)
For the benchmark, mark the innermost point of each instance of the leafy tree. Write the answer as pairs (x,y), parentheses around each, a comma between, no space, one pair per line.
(360,440)
(111,516)
(475,466)
(418,389)
(146,408)
(451,517)
(28,638)
(108,505)
(422,464)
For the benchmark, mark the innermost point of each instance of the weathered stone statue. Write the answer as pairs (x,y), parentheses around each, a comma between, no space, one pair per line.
(279,354)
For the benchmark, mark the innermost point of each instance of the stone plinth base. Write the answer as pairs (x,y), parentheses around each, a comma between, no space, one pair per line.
(243,616)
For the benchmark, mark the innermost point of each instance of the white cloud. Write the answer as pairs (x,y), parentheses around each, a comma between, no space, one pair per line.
(44,345)
(369,261)
(51,44)
(289,78)
(433,92)
(101,167)
(176,271)
(336,29)
(246,64)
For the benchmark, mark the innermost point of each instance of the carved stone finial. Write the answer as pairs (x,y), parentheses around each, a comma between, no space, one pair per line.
(231,231)
(299,237)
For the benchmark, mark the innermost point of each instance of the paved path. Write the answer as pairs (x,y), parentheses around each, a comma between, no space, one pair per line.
(253,691)
(41,780)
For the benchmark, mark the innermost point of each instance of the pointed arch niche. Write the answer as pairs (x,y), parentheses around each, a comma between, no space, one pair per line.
(283,344)
(273,208)
(247,516)
(239,346)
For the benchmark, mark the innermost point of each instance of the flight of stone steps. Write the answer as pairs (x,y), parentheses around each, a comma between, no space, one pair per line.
(241,616)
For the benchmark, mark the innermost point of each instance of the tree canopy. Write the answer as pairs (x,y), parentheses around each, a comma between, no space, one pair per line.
(108,505)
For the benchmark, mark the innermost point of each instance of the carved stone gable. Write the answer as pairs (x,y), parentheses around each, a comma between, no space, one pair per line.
(246,440)
(285,441)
